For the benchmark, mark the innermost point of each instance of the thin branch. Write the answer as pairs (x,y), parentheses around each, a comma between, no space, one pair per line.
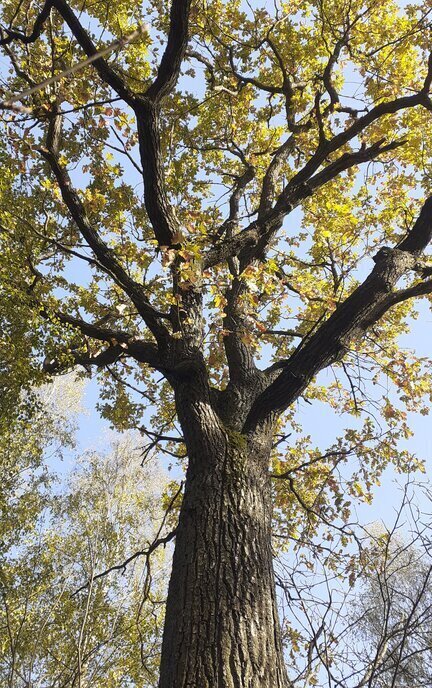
(122,567)
(115,45)
(145,552)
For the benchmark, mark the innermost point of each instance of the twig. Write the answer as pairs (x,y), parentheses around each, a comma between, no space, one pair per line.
(144,552)
(119,43)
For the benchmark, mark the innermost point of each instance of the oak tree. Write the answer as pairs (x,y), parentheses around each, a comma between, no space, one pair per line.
(205,205)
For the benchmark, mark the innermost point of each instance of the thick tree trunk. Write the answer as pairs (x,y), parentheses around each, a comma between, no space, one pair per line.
(222,627)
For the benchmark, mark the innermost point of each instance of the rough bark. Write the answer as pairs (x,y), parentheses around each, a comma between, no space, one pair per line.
(222,628)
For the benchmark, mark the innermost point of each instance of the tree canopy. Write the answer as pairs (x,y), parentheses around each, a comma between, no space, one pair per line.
(318,106)
(305,106)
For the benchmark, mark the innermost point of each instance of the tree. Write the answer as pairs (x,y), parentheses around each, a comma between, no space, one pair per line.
(391,615)
(138,269)
(367,622)
(395,617)
(56,535)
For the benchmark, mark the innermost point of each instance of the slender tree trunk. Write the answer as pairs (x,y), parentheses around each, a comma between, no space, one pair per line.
(222,628)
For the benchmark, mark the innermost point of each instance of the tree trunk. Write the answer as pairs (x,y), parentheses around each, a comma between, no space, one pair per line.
(222,628)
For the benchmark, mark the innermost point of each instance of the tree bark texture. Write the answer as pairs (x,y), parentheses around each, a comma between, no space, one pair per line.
(222,628)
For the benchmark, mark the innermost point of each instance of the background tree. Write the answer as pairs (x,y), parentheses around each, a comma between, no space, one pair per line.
(392,616)
(360,615)
(56,535)
(150,234)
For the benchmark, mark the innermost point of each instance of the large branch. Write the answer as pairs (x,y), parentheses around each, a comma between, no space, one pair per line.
(100,359)
(169,68)
(141,351)
(11,102)
(327,147)
(120,343)
(104,254)
(146,106)
(13,34)
(297,193)
(252,241)
(157,204)
(239,353)
(93,330)
(106,73)
(161,215)
(365,306)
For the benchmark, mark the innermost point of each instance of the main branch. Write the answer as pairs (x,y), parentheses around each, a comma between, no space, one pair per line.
(365,306)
